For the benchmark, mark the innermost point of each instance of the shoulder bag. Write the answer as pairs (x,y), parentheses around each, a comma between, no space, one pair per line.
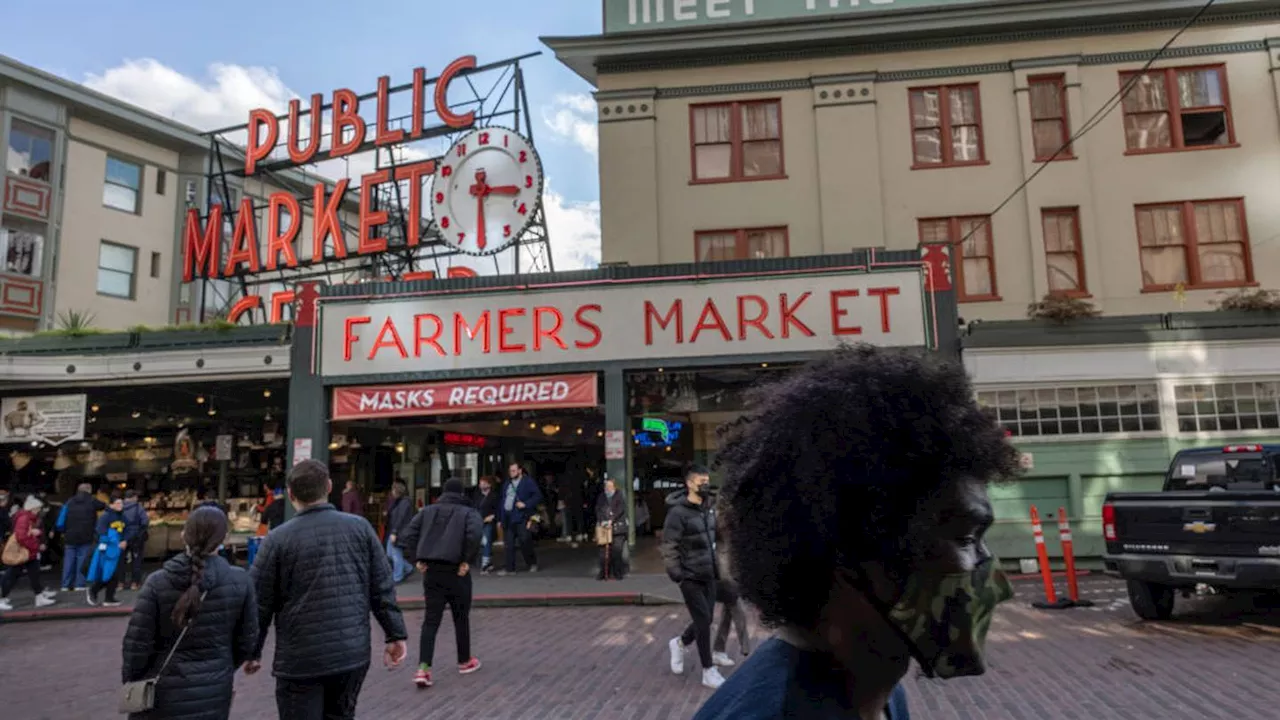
(14,553)
(140,695)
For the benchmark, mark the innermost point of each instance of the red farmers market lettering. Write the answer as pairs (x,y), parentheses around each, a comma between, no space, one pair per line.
(452,397)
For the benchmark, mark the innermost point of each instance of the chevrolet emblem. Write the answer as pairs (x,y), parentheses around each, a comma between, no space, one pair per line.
(1200,527)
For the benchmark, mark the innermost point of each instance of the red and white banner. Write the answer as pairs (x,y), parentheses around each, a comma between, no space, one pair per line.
(546,392)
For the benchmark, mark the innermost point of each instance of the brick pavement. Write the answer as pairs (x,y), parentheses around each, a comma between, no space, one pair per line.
(1215,661)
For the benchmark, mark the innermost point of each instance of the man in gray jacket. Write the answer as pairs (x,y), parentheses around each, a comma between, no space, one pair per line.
(443,540)
(318,577)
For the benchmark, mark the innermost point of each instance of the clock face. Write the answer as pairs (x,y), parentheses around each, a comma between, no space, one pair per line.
(485,191)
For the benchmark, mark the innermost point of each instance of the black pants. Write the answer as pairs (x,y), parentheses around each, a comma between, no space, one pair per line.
(10,577)
(731,613)
(700,598)
(612,564)
(442,586)
(332,697)
(110,584)
(135,552)
(518,535)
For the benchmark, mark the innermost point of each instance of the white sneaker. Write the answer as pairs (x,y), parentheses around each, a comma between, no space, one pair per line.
(44,601)
(677,655)
(722,660)
(711,678)
(51,594)
(5,604)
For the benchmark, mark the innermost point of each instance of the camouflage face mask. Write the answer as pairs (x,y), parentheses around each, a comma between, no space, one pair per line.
(946,618)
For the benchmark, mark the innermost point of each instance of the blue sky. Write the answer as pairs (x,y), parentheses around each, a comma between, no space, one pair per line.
(234,49)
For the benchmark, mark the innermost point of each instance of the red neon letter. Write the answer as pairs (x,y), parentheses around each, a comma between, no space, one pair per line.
(580,318)
(326,221)
(382,134)
(278,242)
(259,148)
(414,174)
(346,114)
(370,218)
(447,116)
(304,155)
(884,294)
(244,240)
(460,326)
(419,102)
(838,312)
(349,337)
(710,320)
(388,337)
(552,333)
(757,321)
(278,302)
(200,249)
(419,339)
(244,305)
(651,316)
(504,329)
(789,316)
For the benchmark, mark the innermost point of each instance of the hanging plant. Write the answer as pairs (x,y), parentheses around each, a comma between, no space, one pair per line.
(1253,300)
(1061,309)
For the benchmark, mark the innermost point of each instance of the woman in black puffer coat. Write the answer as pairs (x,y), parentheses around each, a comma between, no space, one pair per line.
(197,684)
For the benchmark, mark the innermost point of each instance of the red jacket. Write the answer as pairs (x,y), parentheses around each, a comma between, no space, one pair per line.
(23,524)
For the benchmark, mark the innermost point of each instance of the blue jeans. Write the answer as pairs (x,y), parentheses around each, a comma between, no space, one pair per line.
(73,560)
(486,545)
(400,568)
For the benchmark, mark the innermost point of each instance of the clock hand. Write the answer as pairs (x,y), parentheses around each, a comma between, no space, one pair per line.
(480,242)
(504,190)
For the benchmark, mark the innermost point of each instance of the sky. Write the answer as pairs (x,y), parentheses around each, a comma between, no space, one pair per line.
(207,65)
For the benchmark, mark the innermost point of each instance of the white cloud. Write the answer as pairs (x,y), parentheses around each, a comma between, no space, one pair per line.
(573,118)
(226,93)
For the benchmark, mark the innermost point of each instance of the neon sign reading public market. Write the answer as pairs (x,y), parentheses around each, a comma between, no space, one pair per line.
(201,244)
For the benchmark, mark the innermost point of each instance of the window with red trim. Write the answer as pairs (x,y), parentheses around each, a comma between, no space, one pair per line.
(946,126)
(1050,128)
(1177,109)
(744,244)
(1063,254)
(736,141)
(973,264)
(1194,244)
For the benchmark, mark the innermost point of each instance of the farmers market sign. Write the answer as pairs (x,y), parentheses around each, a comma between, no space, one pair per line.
(622,16)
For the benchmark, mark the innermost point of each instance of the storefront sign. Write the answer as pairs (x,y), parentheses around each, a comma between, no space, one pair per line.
(465,396)
(633,322)
(636,15)
(301,450)
(222,448)
(615,445)
(51,419)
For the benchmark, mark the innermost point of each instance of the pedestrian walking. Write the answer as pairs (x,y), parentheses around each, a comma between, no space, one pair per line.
(520,500)
(399,513)
(732,614)
(136,529)
(194,623)
(443,540)
(352,503)
(854,508)
(104,565)
(611,531)
(22,555)
(688,551)
(487,505)
(318,578)
(76,522)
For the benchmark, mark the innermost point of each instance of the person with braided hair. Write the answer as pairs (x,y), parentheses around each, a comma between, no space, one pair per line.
(197,592)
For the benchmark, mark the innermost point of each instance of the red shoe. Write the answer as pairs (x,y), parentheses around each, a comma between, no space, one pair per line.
(469,666)
(422,678)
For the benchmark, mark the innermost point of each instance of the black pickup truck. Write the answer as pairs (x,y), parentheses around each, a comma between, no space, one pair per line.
(1216,522)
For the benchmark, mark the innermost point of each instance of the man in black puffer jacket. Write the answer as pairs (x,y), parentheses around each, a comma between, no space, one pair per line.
(689,553)
(318,577)
(76,522)
(443,540)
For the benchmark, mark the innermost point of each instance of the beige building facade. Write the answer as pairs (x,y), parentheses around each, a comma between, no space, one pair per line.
(946,124)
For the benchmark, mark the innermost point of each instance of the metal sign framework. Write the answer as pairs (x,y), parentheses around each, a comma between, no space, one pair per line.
(495,92)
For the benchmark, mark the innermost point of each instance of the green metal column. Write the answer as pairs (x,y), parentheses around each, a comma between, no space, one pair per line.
(308,406)
(615,419)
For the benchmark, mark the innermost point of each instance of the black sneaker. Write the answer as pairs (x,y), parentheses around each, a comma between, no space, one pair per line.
(90,598)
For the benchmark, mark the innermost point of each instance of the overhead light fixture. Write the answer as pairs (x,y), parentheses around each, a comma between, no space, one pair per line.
(333,446)
(199,399)
(764,365)
(267,417)
(93,408)
(172,419)
(266,393)
(533,426)
(579,431)
(550,429)
(506,421)
(400,448)
(212,412)
(661,370)
(136,414)
(148,439)
(599,433)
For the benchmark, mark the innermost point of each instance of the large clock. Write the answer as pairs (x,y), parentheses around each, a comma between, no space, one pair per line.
(486,190)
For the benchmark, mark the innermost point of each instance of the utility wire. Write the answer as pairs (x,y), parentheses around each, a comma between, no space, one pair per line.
(1092,122)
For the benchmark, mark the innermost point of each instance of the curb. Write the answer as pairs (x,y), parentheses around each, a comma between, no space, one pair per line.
(408,603)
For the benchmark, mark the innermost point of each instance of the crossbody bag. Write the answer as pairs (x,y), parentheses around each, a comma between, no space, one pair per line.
(140,695)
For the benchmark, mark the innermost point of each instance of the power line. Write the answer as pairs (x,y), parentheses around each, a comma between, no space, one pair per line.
(1091,123)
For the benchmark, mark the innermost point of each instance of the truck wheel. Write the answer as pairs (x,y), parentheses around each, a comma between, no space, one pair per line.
(1151,601)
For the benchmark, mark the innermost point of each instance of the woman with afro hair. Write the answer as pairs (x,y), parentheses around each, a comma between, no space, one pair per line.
(853,508)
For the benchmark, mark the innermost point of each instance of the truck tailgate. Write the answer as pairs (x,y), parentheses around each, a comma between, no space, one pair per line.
(1204,523)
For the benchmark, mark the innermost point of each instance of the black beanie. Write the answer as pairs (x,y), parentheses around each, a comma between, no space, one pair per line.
(453,485)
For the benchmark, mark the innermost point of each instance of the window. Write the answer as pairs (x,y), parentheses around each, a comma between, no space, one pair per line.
(122,183)
(30,150)
(1211,407)
(117,265)
(155,264)
(1063,256)
(753,244)
(946,126)
(21,247)
(1076,410)
(736,141)
(161,177)
(229,208)
(1194,245)
(1177,109)
(1050,129)
(974,275)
